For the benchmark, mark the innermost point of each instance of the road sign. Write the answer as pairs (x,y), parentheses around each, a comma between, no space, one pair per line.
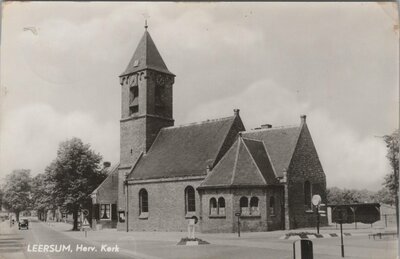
(316,200)
(85,212)
(85,223)
(237,214)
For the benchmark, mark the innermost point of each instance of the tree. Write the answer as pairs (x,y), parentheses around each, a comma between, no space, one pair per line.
(384,196)
(392,179)
(347,196)
(75,174)
(42,198)
(17,191)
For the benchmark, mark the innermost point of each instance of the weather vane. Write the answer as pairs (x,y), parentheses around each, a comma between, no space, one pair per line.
(146,16)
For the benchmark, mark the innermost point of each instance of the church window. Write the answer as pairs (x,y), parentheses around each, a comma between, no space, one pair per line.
(213,206)
(190,199)
(254,210)
(133,99)
(143,201)
(105,211)
(244,206)
(221,206)
(307,195)
(272,205)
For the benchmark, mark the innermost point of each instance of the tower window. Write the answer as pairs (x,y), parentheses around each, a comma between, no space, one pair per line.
(133,100)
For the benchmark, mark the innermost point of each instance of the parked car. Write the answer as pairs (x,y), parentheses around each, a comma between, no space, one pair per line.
(23,224)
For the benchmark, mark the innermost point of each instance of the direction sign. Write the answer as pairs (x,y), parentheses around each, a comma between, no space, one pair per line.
(237,214)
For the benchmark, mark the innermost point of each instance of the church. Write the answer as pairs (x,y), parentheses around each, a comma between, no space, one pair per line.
(215,171)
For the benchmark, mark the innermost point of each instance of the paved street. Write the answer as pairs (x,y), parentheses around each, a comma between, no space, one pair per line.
(15,244)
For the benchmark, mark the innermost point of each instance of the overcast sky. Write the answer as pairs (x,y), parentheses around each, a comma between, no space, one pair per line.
(335,62)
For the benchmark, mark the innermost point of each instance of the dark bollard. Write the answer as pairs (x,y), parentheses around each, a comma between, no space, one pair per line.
(306,249)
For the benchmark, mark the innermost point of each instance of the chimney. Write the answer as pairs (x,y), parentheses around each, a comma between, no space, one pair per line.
(236,112)
(266,126)
(106,164)
(303,118)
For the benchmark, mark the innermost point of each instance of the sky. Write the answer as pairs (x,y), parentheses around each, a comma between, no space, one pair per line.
(335,62)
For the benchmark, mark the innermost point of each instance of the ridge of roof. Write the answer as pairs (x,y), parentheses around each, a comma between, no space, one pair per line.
(252,157)
(272,129)
(197,123)
(235,164)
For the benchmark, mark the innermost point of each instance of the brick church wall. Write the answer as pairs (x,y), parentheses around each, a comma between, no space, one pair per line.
(305,166)
(166,202)
(217,224)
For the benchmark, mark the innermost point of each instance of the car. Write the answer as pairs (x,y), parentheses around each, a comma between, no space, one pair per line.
(23,224)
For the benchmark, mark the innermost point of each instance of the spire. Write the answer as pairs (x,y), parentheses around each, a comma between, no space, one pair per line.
(146,56)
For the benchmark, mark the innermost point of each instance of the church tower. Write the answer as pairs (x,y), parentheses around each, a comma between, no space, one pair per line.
(146,105)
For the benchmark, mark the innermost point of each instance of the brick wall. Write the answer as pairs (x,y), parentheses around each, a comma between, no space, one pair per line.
(166,206)
(305,166)
(216,224)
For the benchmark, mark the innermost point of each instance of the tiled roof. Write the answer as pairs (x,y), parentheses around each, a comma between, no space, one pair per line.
(146,56)
(111,170)
(245,164)
(280,144)
(184,150)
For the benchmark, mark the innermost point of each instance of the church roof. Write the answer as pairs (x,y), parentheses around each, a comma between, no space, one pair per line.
(280,144)
(245,164)
(146,56)
(184,150)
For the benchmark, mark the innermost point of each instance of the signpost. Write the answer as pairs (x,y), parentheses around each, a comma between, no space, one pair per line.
(237,214)
(341,230)
(316,201)
(85,222)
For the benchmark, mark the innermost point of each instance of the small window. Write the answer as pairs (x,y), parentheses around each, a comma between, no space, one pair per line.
(272,205)
(136,63)
(221,206)
(213,206)
(254,210)
(244,206)
(143,201)
(105,211)
(190,199)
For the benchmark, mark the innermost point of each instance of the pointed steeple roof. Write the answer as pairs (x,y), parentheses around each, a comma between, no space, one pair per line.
(146,56)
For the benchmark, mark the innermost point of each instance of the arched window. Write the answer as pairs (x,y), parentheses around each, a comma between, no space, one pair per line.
(190,202)
(221,206)
(213,206)
(143,201)
(254,206)
(272,205)
(307,195)
(244,206)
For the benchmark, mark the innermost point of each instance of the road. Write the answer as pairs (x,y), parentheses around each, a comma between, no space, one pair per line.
(16,244)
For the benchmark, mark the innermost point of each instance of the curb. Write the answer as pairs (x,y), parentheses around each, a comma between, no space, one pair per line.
(313,236)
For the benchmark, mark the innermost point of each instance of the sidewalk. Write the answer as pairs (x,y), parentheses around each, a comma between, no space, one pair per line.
(151,245)
(8,236)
